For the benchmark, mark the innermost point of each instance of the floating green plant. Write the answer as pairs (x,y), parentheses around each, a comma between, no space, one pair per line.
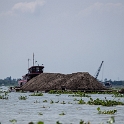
(63,102)
(40,122)
(31,123)
(45,101)
(111,120)
(62,113)
(75,99)
(81,101)
(82,122)
(40,113)
(4,95)
(79,94)
(58,122)
(104,102)
(51,102)
(22,97)
(60,92)
(118,95)
(13,121)
(106,111)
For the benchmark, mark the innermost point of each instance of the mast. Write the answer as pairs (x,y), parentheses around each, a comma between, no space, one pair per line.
(33,59)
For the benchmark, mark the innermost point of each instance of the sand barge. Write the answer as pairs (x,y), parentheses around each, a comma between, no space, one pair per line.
(57,81)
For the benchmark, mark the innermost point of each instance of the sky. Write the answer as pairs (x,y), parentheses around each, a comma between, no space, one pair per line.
(66,36)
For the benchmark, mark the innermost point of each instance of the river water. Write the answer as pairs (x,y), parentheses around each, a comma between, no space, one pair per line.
(29,110)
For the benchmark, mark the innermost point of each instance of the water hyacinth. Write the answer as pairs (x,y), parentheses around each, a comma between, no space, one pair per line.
(118,95)
(106,111)
(4,95)
(111,120)
(81,101)
(62,113)
(13,121)
(104,102)
(22,97)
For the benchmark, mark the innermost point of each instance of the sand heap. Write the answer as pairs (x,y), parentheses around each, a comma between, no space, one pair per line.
(57,81)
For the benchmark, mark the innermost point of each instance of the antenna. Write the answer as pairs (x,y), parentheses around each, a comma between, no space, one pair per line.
(33,59)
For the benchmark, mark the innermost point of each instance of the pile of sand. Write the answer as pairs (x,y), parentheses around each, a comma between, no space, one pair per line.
(57,81)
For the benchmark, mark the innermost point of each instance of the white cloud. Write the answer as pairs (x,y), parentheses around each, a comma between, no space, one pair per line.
(28,7)
(101,7)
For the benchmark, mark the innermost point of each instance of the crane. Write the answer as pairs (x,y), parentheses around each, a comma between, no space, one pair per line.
(98,70)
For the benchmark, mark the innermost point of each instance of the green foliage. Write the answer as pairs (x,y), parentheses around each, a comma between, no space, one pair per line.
(111,120)
(81,101)
(62,113)
(40,113)
(106,111)
(22,97)
(74,94)
(58,122)
(4,95)
(45,101)
(82,122)
(40,122)
(79,94)
(9,82)
(104,102)
(63,102)
(118,95)
(51,102)
(30,123)
(13,121)
(60,92)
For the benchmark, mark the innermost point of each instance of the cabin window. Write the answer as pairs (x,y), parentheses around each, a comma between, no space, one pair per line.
(40,69)
(33,69)
(37,69)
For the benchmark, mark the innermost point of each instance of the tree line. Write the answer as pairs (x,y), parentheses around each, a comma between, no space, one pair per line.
(9,82)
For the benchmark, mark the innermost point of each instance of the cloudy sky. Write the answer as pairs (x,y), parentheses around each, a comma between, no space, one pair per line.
(67,36)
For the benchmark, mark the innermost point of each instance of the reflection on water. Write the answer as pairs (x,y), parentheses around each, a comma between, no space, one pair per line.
(25,111)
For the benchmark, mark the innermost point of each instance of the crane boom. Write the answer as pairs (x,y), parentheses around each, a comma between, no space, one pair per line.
(99,70)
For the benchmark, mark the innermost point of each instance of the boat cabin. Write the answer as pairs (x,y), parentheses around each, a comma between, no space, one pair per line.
(34,71)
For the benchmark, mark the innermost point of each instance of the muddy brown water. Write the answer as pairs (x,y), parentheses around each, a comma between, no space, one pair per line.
(25,111)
